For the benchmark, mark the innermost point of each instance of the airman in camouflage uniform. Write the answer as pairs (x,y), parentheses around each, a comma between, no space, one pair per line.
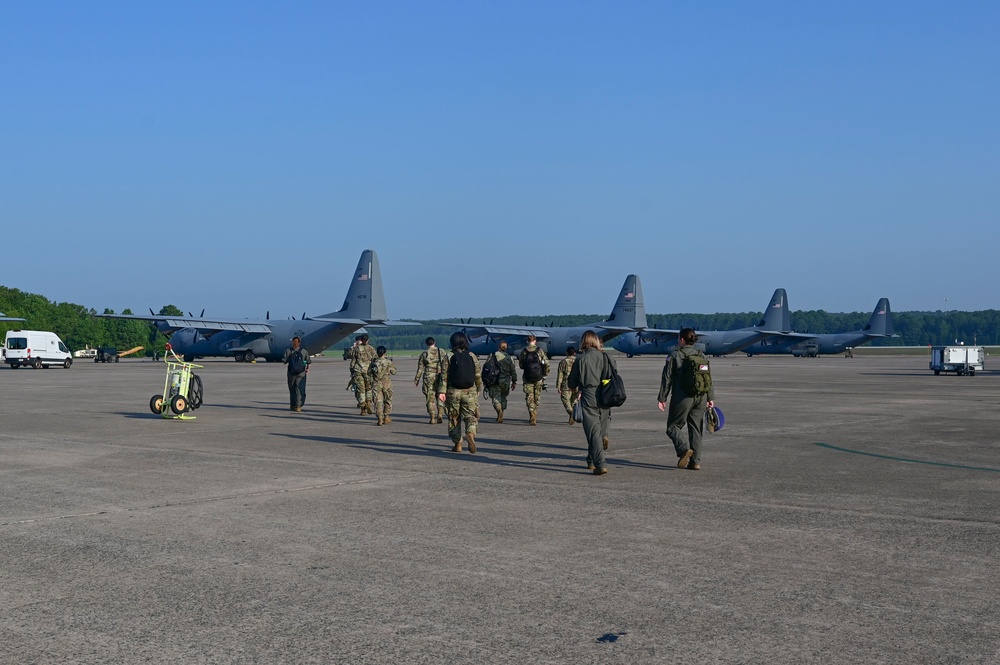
(507,381)
(361,357)
(568,395)
(380,372)
(462,403)
(533,389)
(430,365)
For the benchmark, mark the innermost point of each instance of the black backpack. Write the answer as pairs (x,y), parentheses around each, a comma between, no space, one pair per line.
(461,370)
(491,371)
(532,366)
(295,363)
(611,392)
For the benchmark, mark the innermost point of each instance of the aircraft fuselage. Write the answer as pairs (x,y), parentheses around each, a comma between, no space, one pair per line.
(316,337)
(554,345)
(714,343)
(824,344)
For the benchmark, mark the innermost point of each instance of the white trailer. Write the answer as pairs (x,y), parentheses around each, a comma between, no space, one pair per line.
(963,360)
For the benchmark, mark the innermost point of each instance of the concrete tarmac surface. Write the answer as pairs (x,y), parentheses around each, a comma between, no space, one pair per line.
(847,513)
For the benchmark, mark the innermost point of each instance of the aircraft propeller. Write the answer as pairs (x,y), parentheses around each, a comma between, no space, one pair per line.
(267,317)
(151,312)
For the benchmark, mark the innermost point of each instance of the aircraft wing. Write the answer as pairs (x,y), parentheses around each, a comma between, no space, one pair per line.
(374,323)
(790,335)
(500,332)
(207,327)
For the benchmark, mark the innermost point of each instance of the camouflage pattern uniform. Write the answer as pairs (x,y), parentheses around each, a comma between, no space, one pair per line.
(533,390)
(431,364)
(362,356)
(508,379)
(567,394)
(462,404)
(380,372)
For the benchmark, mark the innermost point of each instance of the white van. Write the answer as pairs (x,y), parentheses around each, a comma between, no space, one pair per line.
(35,348)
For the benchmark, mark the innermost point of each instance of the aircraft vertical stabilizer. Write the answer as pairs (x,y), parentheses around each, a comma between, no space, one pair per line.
(776,317)
(365,299)
(630,309)
(881,321)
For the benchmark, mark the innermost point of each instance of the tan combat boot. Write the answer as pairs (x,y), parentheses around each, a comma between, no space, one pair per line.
(387,420)
(471,438)
(499,413)
(531,420)
(457,448)
(571,419)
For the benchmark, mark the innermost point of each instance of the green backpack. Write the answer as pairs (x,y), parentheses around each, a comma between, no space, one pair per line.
(697,377)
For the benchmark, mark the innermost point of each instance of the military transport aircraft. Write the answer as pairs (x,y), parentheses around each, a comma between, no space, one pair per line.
(804,344)
(713,342)
(4,317)
(628,314)
(248,339)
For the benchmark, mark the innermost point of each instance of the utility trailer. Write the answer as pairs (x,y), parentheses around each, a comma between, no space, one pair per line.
(963,360)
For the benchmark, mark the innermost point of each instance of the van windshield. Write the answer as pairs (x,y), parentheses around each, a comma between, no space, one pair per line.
(17,343)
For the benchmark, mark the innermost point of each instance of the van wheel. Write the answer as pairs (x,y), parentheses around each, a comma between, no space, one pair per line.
(116,358)
(38,363)
(248,357)
(156,404)
(67,363)
(178,404)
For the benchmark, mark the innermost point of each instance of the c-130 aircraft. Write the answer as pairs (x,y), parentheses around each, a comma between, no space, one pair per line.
(628,313)
(249,339)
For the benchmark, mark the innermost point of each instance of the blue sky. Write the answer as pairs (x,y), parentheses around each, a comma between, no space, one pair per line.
(501,157)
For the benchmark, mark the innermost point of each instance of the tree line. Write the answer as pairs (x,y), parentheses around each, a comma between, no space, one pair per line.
(79,326)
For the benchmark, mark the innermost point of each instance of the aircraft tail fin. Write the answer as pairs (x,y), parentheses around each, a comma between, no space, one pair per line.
(630,309)
(365,299)
(880,322)
(776,316)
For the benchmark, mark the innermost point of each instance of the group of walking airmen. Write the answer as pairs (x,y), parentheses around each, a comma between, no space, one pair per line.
(452,383)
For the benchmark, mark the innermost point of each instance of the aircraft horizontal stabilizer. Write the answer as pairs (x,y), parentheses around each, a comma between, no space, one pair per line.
(615,329)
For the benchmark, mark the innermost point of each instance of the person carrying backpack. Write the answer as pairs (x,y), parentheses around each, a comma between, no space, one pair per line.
(534,366)
(687,381)
(567,394)
(430,368)
(361,357)
(589,370)
(298,361)
(506,379)
(460,385)
(380,371)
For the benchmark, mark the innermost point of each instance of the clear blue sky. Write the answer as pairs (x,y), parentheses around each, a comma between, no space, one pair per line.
(501,157)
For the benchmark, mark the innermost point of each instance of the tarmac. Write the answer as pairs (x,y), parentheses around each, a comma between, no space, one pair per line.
(847,513)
